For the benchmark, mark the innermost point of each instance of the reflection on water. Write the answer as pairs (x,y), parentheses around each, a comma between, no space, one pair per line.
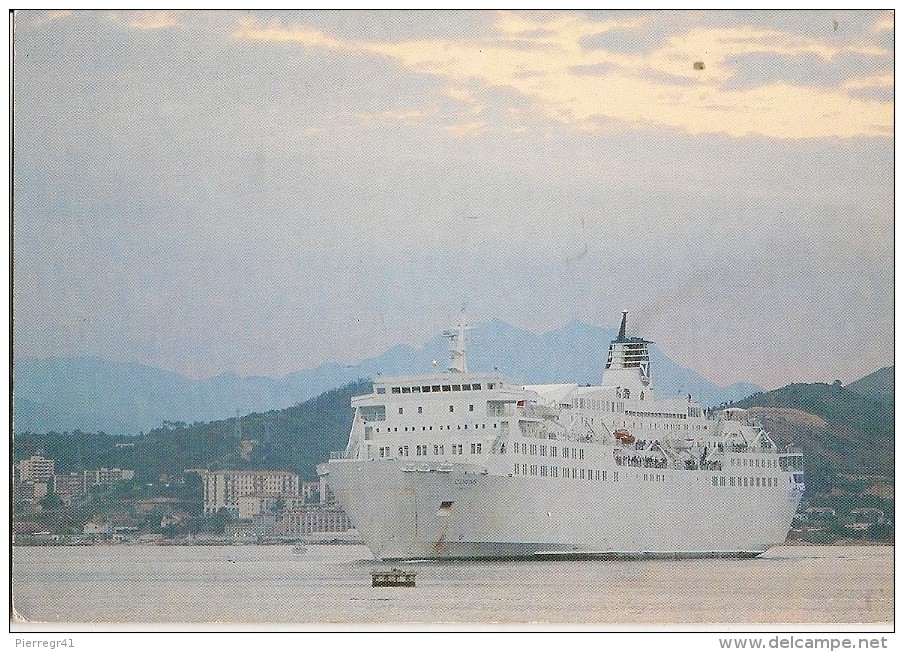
(331,584)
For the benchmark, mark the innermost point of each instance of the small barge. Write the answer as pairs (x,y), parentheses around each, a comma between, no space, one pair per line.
(394,577)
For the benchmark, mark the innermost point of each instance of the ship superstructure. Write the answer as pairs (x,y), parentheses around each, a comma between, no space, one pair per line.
(462,464)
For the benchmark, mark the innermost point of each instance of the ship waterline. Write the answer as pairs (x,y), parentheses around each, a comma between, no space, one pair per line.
(467,465)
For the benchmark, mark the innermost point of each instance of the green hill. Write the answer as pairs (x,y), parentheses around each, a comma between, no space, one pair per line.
(296,438)
(879,385)
(839,430)
(848,438)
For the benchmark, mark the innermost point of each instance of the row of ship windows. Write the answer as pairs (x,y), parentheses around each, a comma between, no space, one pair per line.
(378,412)
(743,481)
(369,413)
(648,426)
(595,474)
(420,409)
(571,473)
(666,426)
(424,389)
(438,449)
(756,463)
(598,404)
(477,426)
(476,448)
(541,450)
(657,415)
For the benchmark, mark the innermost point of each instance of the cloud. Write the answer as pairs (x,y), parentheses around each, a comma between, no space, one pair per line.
(886,23)
(51,16)
(266,206)
(159,19)
(466,97)
(468,129)
(405,117)
(871,81)
(659,87)
(716,46)
(459,94)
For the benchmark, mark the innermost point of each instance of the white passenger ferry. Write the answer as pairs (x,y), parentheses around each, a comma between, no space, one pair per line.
(466,464)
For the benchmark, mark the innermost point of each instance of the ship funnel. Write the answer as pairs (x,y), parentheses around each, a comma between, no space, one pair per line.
(628,363)
(624,325)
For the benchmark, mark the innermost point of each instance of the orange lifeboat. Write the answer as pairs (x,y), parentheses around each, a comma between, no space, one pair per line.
(623,436)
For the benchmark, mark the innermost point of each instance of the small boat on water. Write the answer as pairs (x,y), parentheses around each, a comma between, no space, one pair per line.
(394,577)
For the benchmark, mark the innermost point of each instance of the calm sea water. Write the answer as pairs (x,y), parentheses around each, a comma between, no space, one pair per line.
(331,584)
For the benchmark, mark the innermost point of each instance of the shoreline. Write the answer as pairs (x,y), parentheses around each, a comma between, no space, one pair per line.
(841,543)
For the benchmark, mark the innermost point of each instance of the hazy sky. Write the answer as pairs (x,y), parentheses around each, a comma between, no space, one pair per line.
(263,192)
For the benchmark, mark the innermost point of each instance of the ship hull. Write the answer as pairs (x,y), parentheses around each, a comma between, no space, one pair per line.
(406,510)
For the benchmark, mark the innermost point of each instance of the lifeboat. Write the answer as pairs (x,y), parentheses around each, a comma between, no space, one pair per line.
(623,436)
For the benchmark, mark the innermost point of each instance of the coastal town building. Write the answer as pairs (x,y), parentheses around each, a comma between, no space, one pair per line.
(251,505)
(327,497)
(311,491)
(68,486)
(222,489)
(105,476)
(314,518)
(96,528)
(36,468)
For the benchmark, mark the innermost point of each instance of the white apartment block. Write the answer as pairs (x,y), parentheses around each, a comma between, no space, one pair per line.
(107,476)
(222,489)
(36,468)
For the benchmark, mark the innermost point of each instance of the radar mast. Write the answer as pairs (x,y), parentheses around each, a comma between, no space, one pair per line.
(458,360)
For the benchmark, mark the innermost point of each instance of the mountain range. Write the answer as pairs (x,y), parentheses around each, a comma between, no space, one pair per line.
(94,394)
